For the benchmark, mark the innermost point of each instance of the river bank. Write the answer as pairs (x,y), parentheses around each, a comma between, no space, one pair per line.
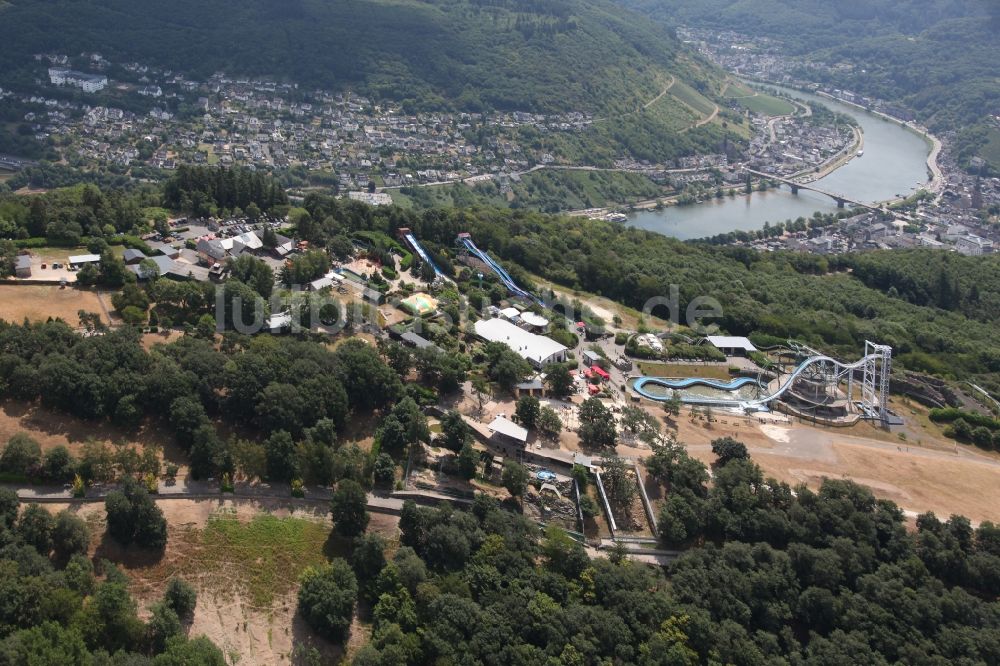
(936,178)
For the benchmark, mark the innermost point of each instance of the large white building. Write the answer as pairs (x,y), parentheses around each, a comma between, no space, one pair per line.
(537,350)
(86,82)
(973,246)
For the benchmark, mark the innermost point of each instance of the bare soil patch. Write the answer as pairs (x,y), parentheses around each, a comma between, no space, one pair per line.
(229,568)
(926,477)
(39,302)
(51,428)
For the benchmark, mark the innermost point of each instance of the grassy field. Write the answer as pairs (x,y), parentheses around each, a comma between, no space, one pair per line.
(213,159)
(680,370)
(991,151)
(738,89)
(692,98)
(262,558)
(768,105)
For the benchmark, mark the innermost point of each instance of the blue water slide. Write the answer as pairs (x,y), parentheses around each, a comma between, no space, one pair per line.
(418,248)
(504,276)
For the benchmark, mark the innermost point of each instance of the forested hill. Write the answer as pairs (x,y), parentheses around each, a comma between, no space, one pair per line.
(541,55)
(937,57)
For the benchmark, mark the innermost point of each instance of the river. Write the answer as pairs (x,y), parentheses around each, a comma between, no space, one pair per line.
(894,163)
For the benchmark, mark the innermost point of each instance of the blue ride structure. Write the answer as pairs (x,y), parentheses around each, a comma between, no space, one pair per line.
(421,252)
(465,240)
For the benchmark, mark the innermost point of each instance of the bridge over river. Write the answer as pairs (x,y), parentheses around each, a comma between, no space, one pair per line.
(796,186)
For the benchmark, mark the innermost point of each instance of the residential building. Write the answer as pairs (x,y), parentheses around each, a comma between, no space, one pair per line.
(90,83)
(973,246)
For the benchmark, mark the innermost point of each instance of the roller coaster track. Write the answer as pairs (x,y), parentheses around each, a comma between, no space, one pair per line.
(876,366)
(841,369)
(504,276)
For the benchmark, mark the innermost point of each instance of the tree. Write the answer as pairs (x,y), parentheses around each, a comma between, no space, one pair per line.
(549,424)
(133,316)
(619,486)
(559,380)
(506,367)
(163,625)
(326,599)
(588,506)
(133,517)
(367,561)
(385,470)
(514,478)
(59,465)
(408,413)
(21,456)
(252,272)
(727,450)
(597,424)
(641,423)
(481,388)
(9,507)
(70,535)
(280,450)
(468,461)
(455,432)
(180,597)
(672,406)
(183,652)
(349,508)
(46,643)
(35,527)
(527,411)
(674,469)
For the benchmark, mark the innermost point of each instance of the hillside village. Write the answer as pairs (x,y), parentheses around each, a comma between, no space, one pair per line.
(344,139)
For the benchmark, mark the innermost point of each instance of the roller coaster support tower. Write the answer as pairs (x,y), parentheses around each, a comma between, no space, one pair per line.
(875,385)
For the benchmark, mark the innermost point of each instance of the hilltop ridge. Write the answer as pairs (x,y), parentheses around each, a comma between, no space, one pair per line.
(586,55)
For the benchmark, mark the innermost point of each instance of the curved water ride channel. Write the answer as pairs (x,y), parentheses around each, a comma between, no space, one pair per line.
(894,163)
(696,390)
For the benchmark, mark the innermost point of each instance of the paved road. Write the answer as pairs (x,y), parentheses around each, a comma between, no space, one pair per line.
(208,490)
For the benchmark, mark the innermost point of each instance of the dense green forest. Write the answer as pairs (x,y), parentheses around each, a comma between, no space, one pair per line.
(827,577)
(472,54)
(937,57)
(57,609)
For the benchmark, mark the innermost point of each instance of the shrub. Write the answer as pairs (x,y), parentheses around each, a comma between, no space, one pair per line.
(21,456)
(180,597)
(70,535)
(326,599)
(350,509)
(35,527)
(133,517)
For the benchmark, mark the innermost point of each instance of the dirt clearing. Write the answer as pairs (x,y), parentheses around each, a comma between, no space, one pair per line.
(244,558)
(929,477)
(39,302)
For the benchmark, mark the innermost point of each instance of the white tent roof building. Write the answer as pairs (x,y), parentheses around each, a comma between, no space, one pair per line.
(536,349)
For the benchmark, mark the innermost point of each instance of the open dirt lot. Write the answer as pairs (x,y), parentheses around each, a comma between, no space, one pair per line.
(39,302)
(932,475)
(229,611)
(50,429)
